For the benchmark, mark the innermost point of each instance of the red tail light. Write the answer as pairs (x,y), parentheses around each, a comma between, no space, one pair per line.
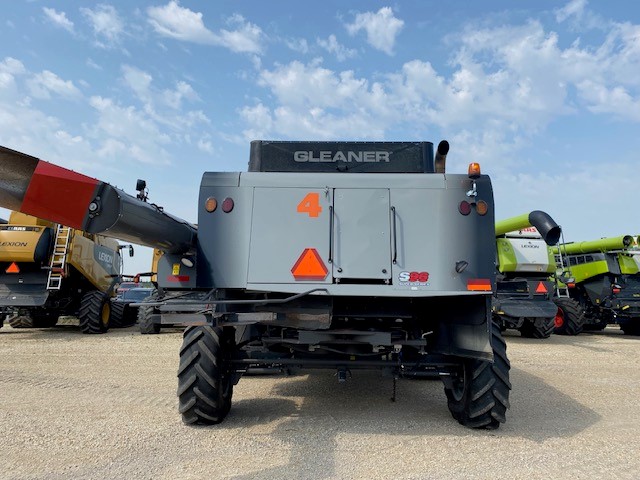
(227,205)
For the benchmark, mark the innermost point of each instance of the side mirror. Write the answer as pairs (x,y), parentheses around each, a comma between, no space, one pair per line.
(131,250)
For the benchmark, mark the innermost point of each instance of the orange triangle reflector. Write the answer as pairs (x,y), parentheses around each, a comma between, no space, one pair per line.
(541,288)
(13,268)
(309,266)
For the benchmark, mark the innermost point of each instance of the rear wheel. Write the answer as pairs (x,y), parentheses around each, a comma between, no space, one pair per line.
(537,327)
(205,384)
(147,327)
(21,321)
(95,312)
(479,396)
(570,317)
(117,319)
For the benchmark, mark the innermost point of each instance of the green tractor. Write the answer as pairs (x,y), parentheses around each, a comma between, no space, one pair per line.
(600,285)
(523,299)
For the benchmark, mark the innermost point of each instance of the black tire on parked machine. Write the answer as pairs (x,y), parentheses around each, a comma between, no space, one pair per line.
(532,328)
(117,319)
(479,396)
(205,383)
(571,314)
(95,312)
(147,327)
(21,321)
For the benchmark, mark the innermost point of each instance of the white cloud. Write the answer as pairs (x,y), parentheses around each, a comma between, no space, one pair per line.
(107,25)
(132,128)
(332,45)
(381,27)
(140,82)
(299,45)
(59,19)
(9,69)
(180,23)
(137,80)
(12,66)
(616,101)
(205,145)
(92,64)
(173,98)
(246,38)
(43,84)
(575,8)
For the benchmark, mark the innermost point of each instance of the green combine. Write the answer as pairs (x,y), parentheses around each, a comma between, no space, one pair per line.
(523,299)
(601,285)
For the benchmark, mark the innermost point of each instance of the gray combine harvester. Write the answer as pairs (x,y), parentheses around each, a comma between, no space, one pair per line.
(328,255)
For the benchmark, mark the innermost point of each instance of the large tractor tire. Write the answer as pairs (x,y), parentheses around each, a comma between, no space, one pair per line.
(479,397)
(570,317)
(21,321)
(205,384)
(631,327)
(537,328)
(147,327)
(95,312)
(117,319)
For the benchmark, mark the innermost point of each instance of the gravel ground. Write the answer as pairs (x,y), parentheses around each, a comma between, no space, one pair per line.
(104,406)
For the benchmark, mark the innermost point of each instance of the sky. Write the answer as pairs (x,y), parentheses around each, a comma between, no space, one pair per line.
(545,95)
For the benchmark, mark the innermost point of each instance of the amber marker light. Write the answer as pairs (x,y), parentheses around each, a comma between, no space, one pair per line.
(474,170)
(482,207)
(210,204)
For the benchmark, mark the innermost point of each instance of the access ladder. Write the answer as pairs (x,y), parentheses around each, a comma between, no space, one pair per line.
(59,257)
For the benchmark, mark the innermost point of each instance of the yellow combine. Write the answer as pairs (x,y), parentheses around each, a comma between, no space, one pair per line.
(48,270)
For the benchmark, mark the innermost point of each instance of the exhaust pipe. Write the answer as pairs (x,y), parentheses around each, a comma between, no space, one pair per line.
(441,156)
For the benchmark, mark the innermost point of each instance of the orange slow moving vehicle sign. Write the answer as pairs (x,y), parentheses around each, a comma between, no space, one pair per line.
(309,266)
(541,288)
(13,268)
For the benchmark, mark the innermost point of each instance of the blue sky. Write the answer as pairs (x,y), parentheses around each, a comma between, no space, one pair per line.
(545,95)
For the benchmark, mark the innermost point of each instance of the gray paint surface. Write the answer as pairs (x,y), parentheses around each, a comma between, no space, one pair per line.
(361,234)
(256,245)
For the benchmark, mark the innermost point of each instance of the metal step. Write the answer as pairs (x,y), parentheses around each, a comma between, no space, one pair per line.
(59,258)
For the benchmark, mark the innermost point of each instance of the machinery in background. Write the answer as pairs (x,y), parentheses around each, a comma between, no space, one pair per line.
(600,284)
(523,299)
(48,269)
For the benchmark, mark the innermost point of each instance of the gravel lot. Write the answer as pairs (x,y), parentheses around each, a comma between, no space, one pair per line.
(83,406)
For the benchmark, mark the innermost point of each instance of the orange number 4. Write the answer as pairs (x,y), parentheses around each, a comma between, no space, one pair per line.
(310,204)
